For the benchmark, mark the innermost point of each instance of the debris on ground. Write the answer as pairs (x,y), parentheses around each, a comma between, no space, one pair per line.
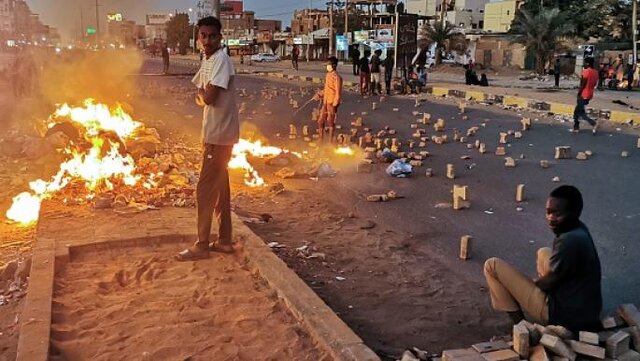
(620,339)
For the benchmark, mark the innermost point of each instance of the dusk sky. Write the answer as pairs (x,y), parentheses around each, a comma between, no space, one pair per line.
(65,14)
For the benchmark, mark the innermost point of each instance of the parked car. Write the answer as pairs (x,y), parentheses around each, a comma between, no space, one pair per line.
(262,57)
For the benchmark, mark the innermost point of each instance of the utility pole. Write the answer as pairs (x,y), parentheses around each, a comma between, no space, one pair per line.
(81,23)
(346,28)
(216,8)
(97,19)
(331,27)
(634,27)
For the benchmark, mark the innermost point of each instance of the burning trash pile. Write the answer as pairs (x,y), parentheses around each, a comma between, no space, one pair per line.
(113,161)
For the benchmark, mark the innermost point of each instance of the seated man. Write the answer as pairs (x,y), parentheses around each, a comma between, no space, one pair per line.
(414,81)
(567,292)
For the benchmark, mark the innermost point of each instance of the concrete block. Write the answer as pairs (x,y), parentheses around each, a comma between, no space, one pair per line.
(461,355)
(456,136)
(586,349)
(521,340)
(465,249)
(414,126)
(520,193)
(426,118)
(451,171)
(534,332)
(559,331)
(392,132)
(501,151)
(538,353)
(617,344)
(582,156)
(557,346)
(544,164)
(510,162)
(429,172)
(526,124)
(477,144)
(374,106)
(630,314)
(459,203)
(305,130)
(416,163)
(470,146)
(439,126)
(630,355)
(461,191)
(638,145)
(503,138)
(424,153)
(502,355)
(591,338)
(624,154)
(422,144)
(517,135)
(634,331)
(482,148)
(563,152)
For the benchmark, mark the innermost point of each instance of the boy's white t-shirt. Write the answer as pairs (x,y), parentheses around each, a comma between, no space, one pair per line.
(220,124)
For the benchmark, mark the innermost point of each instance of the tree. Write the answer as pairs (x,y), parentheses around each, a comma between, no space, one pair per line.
(179,32)
(600,19)
(446,36)
(541,33)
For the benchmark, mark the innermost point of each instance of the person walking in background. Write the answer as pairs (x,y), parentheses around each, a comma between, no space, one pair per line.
(376,63)
(295,54)
(556,72)
(388,64)
(365,75)
(602,75)
(355,59)
(630,77)
(588,83)
(165,58)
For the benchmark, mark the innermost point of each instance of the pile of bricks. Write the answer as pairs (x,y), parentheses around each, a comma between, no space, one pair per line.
(619,340)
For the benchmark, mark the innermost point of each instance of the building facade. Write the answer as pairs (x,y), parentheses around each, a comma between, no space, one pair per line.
(498,16)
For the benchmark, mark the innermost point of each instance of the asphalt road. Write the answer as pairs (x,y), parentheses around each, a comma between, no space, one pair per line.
(608,183)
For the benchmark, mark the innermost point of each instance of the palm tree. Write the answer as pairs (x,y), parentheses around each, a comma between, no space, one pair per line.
(446,36)
(542,33)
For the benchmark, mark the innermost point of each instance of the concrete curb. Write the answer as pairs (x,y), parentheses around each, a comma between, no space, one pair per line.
(92,233)
(614,116)
(323,324)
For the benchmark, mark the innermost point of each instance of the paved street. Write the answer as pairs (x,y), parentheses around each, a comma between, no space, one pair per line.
(419,288)
(454,76)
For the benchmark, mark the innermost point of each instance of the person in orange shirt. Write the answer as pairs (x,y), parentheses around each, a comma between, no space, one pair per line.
(331,97)
(588,83)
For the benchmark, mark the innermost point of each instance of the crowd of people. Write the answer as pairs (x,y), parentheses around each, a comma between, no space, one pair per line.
(618,75)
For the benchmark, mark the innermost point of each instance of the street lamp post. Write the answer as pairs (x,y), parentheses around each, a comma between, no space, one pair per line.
(634,27)
(331,27)
(195,47)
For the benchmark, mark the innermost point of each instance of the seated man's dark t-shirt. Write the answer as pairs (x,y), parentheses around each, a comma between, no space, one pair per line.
(575,301)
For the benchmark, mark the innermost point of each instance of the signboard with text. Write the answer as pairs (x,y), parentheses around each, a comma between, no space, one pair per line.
(341,43)
(158,19)
(114,17)
(406,41)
